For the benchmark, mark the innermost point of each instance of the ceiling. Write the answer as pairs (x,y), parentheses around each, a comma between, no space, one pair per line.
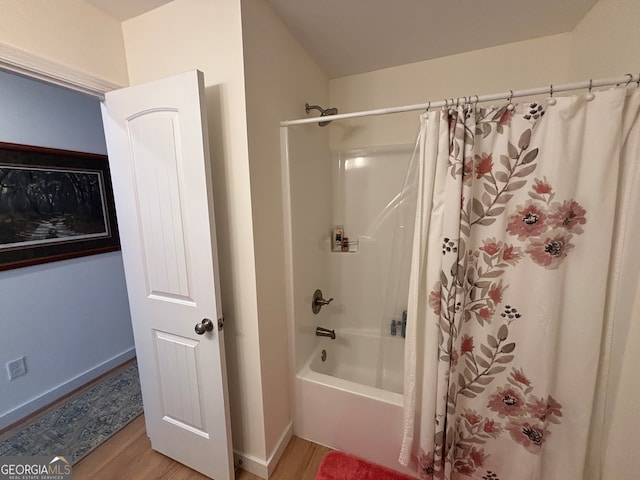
(347,37)
(126,9)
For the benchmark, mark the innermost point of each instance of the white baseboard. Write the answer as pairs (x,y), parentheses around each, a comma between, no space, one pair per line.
(251,464)
(262,468)
(55,393)
(278,450)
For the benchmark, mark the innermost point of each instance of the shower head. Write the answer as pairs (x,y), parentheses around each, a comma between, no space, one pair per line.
(323,112)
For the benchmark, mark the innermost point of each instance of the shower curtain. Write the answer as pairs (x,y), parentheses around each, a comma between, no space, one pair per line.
(514,269)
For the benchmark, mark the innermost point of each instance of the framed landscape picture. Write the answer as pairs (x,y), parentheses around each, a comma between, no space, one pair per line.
(54,205)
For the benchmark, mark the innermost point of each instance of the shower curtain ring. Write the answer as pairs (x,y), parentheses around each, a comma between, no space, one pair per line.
(510,106)
(628,81)
(638,80)
(590,96)
(448,107)
(552,101)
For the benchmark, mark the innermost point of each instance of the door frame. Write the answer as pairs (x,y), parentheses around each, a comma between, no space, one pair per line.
(30,65)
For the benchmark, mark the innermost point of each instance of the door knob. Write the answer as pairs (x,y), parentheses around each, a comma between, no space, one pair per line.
(205,326)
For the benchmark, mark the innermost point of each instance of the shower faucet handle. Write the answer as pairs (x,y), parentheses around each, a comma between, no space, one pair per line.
(319,301)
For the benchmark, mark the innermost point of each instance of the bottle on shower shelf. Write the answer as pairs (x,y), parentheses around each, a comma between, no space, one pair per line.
(403,328)
(336,241)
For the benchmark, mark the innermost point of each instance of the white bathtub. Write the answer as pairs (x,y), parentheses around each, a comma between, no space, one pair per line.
(338,404)
(360,358)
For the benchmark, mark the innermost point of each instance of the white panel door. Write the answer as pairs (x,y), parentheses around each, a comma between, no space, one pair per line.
(159,159)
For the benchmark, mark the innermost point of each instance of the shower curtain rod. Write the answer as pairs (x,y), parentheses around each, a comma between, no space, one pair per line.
(551,89)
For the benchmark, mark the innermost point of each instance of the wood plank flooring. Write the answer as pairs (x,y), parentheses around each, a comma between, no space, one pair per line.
(128,456)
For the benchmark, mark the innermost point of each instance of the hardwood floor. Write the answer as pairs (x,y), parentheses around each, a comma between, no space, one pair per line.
(300,461)
(128,456)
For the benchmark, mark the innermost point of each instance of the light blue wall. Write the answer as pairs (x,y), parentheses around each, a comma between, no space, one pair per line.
(70,319)
(36,113)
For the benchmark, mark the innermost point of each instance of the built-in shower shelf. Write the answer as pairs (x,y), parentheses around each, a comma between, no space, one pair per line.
(337,239)
(345,252)
(354,245)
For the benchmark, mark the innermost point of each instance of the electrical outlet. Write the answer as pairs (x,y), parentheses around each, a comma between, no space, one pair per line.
(16,368)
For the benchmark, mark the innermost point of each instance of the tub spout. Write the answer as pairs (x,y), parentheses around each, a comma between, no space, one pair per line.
(325,332)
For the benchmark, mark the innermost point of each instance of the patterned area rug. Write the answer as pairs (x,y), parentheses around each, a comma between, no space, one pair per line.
(79,426)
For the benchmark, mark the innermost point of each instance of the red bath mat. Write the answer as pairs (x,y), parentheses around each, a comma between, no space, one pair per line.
(341,466)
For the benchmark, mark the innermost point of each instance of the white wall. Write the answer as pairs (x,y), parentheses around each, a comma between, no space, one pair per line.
(279,78)
(69,32)
(606,42)
(70,319)
(513,66)
(310,167)
(245,104)
(188,34)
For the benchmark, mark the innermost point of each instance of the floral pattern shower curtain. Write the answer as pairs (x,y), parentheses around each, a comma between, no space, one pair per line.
(511,266)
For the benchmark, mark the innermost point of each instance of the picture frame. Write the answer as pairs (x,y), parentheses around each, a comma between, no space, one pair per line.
(54,205)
